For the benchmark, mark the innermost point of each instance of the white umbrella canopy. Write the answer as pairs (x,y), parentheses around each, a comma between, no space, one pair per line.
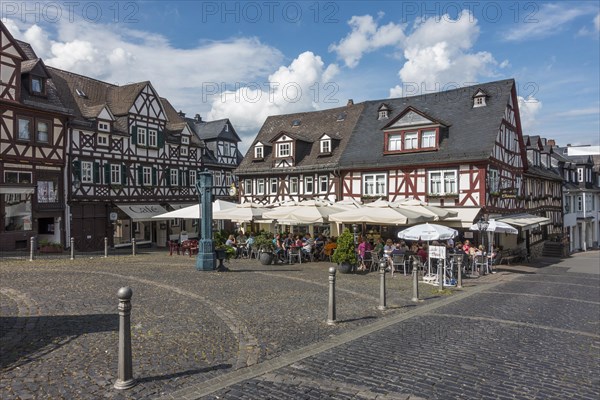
(416,205)
(497,227)
(428,232)
(193,212)
(381,212)
(244,212)
(304,212)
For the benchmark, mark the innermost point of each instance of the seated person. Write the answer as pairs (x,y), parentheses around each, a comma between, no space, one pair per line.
(308,245)
(378,248)
(329,247)
(422,253)
(231,242)
(279,252)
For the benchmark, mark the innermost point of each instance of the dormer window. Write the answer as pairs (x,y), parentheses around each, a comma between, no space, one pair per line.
(325,146)
(411,140)
(284,149)
(185,140)
(296,122)
(37,85)
(383,114)
(103,126)
(259,152)
(479,99)
(226,127)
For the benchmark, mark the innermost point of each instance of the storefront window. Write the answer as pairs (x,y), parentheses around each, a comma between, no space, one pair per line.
(47,192)
(17,209)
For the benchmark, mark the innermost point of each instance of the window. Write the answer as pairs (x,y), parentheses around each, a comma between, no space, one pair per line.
(42,132)
(20,221)
(428,139)
(394,142)
(410,140)
(283,149)
(226,128)
(383,114)
(103,126)
(193,177)
(308,184)
(183,178)
(102,140)
(258,152)
(174,173)
(152,138)
(87,174)
(47,191)
(115,174)
(228,179)
(579,203)
(24,128)
(37,85)
(183,151)
(442,183)
(226,152)
(294,185)
(374,185)
(479,101)
(17,177)
(493,180)
(185,140)
(260,186)
(218,181)
(273,185)
(141,136)
(248,186)
(323,184)
(146,176)
(580,175)
(326,146)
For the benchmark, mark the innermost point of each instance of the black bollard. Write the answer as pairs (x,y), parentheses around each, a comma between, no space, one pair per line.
(331,309)
(125,374)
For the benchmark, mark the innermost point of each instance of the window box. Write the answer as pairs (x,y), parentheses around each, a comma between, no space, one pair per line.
(442,195)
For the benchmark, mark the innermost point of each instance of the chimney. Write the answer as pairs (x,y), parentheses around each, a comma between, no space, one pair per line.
(350,102)
(198,118)
(568,144)
(551,142)
(181,114)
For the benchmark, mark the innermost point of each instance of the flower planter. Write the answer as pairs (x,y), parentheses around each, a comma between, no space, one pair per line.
(50,249)
(266,258)
(344,268)
(221,254)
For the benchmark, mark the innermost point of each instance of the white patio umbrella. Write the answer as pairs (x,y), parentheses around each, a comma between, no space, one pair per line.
(193,212)
(428,232)
(416,205)
(495,227)
(304,212)
(245,212)
(381,212)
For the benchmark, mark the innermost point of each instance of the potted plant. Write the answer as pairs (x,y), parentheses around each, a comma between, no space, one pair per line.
(345,253)
(264,243)
(222,251)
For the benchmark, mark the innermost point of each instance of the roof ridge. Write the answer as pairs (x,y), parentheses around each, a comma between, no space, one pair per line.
(82,76)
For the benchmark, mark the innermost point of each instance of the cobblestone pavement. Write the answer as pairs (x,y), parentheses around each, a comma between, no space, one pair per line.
(259,332)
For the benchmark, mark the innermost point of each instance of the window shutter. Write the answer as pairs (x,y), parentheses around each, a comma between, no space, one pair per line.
(140,175)
(97,172)
(77,169)
(134,135)
(154,176)
(107,174)
(124,175)
(181,176)
(167,177)
(161,139)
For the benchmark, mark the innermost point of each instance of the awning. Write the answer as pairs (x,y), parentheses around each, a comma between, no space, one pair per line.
(142,212)
(524,221)
(17,190)
(465,218)
(178,206)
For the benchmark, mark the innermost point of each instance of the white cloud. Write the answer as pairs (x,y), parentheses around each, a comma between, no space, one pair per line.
(366,37)
(579,112)
(396,91)
(289,89)
(438,53)
(597,22)
(528,109)
(550,19)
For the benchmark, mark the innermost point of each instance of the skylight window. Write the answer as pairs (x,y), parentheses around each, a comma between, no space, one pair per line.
(80,93)
(341,117)
(296,122)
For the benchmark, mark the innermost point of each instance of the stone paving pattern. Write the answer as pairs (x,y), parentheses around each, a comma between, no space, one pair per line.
(511,336)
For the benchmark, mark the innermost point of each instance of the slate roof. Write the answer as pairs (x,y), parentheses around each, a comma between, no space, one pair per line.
(212,130)
(313,125)
(27,49)
(470,137)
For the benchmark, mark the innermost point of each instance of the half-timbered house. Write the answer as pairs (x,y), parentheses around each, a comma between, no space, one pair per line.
(128,161)
(33,140)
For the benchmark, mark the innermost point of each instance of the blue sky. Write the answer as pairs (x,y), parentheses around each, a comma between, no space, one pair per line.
(248,60)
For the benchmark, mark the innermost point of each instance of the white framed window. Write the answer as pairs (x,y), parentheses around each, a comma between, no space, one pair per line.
(141,136)
(326,146)
(258,152)
(87,172)
(24,127)
(443,182)
(580,203)
(102,140)
(174,177)
(493,180)
(115,174)
(374,185)
(37,85)
(103,126)
(248,186)
(147,176)
(260,186)
(428,138)
(308,184)
(226,127)
(183,151)
(284,149)
(192,177)
(185,140)
(42,132)
(294,185)
(394,142)
(152,138)
(479,101)
(273,185)
(580,175)
(323,184)
(226,152)
(411,140)
(218,180)
(383,114)
(184,178)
